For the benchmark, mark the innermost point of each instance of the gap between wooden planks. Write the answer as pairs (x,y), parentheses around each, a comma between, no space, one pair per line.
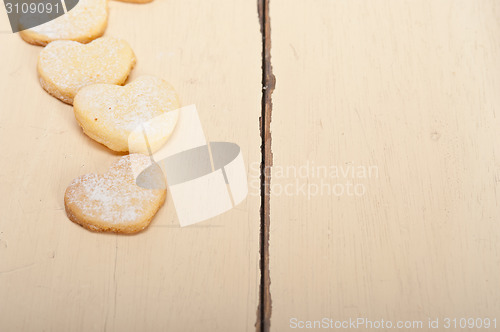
(268,84)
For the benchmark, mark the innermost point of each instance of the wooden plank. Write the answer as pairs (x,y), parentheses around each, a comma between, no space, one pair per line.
(56,276)
(410,88)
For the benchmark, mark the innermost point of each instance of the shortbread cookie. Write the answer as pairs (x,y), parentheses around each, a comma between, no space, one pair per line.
(84,23)
(109,113)
(66,66)
(136,1)
(113,202)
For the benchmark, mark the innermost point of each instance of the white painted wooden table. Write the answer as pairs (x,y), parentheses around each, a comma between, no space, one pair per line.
(406,89)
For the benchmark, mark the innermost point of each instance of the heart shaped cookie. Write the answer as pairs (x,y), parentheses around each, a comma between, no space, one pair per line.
(66,66)
(136,1)
(84,23)
(109,113)
(112,202)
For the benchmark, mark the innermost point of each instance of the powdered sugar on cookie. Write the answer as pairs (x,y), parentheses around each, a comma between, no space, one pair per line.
(84,23)
(66,66)
(109,113)
(112,201)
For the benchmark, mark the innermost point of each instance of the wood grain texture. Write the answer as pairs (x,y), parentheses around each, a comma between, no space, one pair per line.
(410,87)
(56,276)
